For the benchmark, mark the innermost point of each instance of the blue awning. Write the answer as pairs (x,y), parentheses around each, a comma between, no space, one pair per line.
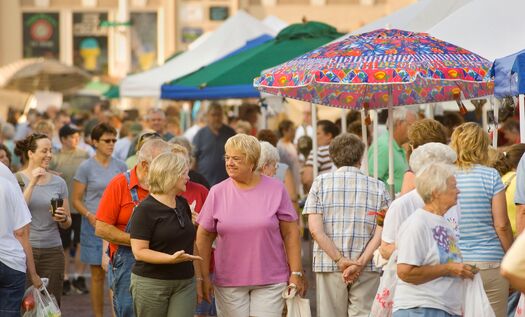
(208,93)
(518,72)
(505,83)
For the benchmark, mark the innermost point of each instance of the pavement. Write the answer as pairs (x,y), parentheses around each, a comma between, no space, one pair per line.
(80,305)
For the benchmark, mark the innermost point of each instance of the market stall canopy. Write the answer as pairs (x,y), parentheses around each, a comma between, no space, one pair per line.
(232,77)
(417,17)
(492,29)
(519,69)
(34,74)
(230,36)
(505,84)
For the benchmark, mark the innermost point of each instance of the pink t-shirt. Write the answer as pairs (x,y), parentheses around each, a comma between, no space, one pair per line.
(249,246)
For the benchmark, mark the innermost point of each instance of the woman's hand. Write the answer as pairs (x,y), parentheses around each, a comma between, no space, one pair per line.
(60,215)
(460,270)
(298,281)
(200,293)
(92,219)
(207,289)
(36,281)
(37,173)
(181,256)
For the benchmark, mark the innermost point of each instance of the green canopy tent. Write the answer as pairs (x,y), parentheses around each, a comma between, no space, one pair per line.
(232,77)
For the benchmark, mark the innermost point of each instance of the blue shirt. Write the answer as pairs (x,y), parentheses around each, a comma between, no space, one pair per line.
(209,153)
(478,239)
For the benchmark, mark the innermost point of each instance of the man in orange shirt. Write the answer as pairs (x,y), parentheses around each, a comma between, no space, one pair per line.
(122,195)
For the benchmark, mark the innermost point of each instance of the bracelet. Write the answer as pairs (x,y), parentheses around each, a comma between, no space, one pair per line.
(337,261)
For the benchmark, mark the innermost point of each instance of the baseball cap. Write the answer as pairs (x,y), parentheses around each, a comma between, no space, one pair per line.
(67,130)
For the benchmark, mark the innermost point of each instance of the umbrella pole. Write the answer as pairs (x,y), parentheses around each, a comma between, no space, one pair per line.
(496,119)
(376,149)
(314,139)
(391,148)
(264,113)
(343,121)
(364,133)
(522,118)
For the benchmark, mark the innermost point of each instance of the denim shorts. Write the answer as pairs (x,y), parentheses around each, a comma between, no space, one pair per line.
(90,245)
(422,312)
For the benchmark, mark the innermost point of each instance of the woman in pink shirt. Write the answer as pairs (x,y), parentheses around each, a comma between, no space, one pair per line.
(254,224)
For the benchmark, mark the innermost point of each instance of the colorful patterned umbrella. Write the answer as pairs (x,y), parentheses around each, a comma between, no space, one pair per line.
(368,69)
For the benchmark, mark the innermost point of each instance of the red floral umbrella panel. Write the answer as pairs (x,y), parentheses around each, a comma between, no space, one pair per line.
(411,68)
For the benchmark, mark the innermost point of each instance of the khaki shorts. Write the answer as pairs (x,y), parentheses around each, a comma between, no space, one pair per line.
(245,301)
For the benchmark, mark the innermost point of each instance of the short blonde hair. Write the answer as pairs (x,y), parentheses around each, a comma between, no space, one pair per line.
(432,179)
(471,144)
(247,145)
(164,172)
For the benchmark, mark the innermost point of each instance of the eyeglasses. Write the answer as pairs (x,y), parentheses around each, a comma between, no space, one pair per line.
(179,217)
(235,159)
(107,141)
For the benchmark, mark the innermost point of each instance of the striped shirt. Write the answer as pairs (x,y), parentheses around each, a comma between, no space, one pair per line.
(345,198)
(478,241)
(324,162)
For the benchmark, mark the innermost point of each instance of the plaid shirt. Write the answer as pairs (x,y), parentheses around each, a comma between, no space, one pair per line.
(345,198)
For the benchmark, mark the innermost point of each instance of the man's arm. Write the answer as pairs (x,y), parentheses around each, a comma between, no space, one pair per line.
(111,233)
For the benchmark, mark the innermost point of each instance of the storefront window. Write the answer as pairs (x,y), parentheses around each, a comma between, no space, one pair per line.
(90,42)
(143,40)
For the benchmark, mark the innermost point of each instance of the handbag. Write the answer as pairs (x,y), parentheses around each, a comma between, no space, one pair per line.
(520,309)
(296,305)
(384,299)
(475,300)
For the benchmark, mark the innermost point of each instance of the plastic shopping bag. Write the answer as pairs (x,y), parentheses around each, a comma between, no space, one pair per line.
(520,309)
(39,303)
(296,305)
(384,299)
(475,300)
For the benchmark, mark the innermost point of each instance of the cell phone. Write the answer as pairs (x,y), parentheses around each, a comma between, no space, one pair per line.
(56,203)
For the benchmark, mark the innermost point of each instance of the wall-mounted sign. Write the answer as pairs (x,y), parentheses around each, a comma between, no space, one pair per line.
(90,42)
(219,13)
(190,34)
(143,40)
(191,12)
(41,37)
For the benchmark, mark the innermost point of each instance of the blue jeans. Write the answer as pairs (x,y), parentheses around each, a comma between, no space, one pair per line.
(12,287)
(512,303)
(121,266)
(422,312)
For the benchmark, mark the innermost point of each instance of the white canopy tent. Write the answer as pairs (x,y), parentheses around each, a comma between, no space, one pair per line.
(492,29)
(230,36)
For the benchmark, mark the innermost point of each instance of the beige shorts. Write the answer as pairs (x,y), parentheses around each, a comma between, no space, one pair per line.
(245,301)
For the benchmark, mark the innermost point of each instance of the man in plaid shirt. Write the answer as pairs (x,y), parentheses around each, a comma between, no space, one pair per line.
(341,209)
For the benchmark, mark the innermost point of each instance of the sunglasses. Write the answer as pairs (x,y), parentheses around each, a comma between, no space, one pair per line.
(179,217)
(149,135)
(107,141)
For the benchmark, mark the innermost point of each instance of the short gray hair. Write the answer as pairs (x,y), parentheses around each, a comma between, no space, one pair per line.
(182,141)
(431,153)
(433,179)
(346,150)
(269,153)
(151,149)
(153,111)
(400,114)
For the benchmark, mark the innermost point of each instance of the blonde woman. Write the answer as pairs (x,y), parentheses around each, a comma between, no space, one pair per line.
(484,226)
(252,220)
(162,237)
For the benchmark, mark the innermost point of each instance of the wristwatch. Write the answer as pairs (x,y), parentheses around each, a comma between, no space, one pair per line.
(300,274)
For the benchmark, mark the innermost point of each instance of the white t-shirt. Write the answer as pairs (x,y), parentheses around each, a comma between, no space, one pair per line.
(428,239)
(14,215)
(403,207)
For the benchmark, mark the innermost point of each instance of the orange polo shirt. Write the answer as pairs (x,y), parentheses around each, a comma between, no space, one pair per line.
(116,205)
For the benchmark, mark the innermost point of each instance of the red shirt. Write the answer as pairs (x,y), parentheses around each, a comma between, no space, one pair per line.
(197,193)
(116,205)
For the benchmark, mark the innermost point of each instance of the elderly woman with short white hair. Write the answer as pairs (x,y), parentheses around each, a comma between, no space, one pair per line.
(258,250)
(429,262)
(268,160)
(162,237)
(404,206)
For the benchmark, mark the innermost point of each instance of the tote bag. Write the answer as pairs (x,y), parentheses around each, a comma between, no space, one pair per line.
(296,305)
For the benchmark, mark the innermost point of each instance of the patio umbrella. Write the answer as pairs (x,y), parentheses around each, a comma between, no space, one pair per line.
(232,77)
(34,74)
(381,69)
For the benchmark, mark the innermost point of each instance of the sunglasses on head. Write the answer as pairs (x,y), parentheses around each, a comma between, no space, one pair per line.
(149,135)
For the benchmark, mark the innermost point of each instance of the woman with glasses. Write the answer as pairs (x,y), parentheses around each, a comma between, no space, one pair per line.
(162,237)
(90,180)
(253,222)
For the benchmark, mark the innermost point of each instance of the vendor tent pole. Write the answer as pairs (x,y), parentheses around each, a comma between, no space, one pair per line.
(391,148)
(314,139)
(484,118)
(364,133)
(495,102)
(264,114)
(343,121)
(375,135)
(522,117)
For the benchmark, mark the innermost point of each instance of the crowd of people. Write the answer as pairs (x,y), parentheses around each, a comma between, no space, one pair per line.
(209,221)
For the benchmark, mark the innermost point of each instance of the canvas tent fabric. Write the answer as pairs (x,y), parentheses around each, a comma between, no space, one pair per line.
(230,36)
(233,77)
(492,29)
(519,69)
(504,83)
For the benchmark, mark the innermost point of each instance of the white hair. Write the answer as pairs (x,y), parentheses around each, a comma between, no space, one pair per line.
(152,148)
(269,153)
(400,114)
(432,178)
(431,153)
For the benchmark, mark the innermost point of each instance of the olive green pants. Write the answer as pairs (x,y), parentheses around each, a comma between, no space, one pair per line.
(158,298)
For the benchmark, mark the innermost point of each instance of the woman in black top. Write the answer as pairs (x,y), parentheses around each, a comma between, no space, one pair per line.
(162,239)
